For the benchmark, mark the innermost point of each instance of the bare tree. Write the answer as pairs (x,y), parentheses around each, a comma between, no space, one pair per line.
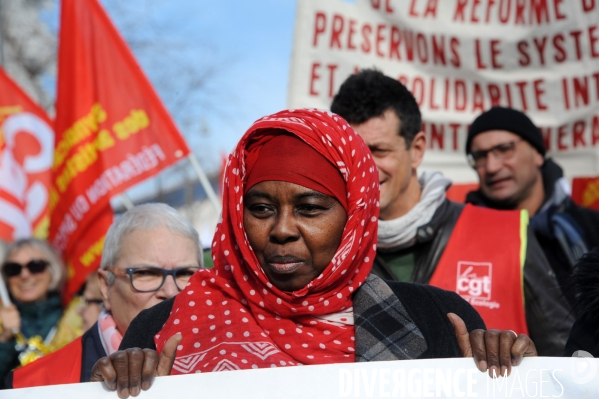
(27,47)
(184,72)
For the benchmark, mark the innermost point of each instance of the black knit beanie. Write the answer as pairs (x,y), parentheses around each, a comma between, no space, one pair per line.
(501,118)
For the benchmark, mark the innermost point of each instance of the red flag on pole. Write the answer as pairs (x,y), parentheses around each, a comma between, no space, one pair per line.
(26,149)
(112,130)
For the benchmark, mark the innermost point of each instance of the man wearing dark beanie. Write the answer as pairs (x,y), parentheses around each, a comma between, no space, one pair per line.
(507,151)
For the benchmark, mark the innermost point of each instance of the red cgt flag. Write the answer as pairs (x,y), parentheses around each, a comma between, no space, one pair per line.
(112,131)
(26,148)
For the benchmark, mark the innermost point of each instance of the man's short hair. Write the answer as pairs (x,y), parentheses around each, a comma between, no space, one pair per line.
(369,93)
(146,217)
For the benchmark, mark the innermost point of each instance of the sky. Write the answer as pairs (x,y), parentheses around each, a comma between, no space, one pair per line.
(252,41)
(247,44)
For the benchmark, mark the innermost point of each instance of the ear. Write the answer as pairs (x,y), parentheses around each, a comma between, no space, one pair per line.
(103,283)
(539,159)
(417,149)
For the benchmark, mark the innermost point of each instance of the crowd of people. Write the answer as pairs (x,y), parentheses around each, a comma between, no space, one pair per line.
(331,248)
(141,249)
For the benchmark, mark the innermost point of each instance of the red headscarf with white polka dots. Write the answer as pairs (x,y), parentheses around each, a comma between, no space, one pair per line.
(231,317)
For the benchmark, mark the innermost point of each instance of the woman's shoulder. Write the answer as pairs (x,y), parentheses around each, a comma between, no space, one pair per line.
(146,325)
(385,307)
(407,290)
(419,298)
(157,313)
(40,318)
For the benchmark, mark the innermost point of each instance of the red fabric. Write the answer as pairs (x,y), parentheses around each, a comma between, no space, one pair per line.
(60,367)
(482,264)
(112,132)
(458,192)
(585,191)
(303,166)
(231,317)
(26,152)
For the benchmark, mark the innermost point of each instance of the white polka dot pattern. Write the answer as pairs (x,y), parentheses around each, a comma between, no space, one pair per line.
(237,310)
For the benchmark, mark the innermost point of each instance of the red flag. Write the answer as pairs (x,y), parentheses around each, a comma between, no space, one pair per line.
(26,149)
(112,129)
(457,192)
(85,256)
(585,191)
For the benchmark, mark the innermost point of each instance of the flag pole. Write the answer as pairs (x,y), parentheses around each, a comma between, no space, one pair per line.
(5,298)
(126,201)
(204,181)
(2,61)
(4,293)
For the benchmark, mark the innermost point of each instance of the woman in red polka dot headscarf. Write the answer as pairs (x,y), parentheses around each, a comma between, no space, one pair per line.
(291,283)
(296,240)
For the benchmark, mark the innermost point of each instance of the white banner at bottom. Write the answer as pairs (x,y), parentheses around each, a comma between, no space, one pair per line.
(541,377)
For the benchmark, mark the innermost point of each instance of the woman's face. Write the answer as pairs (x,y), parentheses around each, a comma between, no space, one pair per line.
(293,230)
(91,306)
(27,286)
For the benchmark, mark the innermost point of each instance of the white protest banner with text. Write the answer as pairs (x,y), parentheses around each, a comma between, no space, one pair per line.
(458,58)
(534,378)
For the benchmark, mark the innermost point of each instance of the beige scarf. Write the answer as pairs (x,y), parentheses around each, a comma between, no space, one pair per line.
(401,232)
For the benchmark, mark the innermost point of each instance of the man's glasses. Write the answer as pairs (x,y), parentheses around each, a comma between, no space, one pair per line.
(149,279)
(501,151)
(35,266)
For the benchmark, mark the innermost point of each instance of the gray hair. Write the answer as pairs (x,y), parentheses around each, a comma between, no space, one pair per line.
(57,268)
(146,216)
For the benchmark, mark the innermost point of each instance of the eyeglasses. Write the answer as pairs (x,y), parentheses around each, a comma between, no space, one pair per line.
(35,266)
(150,279)
(501,151)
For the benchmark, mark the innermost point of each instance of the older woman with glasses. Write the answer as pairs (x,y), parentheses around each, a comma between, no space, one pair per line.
(34,275)
(149,255)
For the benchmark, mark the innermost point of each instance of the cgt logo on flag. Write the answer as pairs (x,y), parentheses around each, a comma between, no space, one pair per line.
(474,280)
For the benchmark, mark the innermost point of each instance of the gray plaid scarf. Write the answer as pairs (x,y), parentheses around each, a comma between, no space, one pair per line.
(400,233)
(384,330)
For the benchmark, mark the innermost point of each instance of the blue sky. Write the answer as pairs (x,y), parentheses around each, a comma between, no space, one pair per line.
(252,41)
(248,42)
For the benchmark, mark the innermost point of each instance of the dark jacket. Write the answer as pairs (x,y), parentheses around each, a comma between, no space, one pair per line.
(70,364)
(393,321)
(37,318)
(584,336)
(585,222)
(585,332)
(547,314)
